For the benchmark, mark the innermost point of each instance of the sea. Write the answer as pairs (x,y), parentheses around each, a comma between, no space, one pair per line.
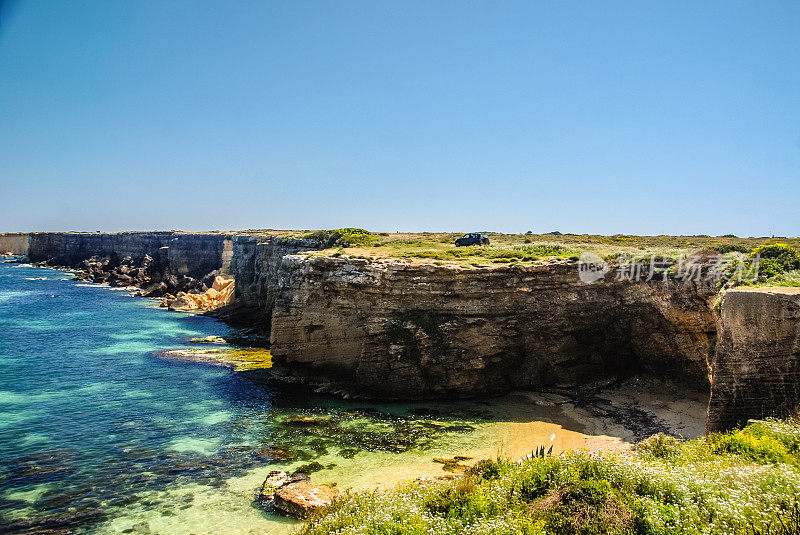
(101,434)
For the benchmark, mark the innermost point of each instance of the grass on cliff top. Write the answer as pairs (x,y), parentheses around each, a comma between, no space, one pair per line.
(742,482)
(524,248)
(780,258)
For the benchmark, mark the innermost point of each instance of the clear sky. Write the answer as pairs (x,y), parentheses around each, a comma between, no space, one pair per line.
(599,117)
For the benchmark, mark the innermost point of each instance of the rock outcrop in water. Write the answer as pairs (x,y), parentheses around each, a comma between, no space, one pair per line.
(294,494)
(756,366)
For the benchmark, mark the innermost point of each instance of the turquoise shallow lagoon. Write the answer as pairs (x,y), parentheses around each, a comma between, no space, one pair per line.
(98,435)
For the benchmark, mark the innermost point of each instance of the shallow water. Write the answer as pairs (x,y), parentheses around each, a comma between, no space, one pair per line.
(97,435)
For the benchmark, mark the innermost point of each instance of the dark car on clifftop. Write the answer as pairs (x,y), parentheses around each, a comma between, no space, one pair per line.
(473,238)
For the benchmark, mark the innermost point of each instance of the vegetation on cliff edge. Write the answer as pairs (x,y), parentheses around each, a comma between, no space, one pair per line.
(773,264)
(742,482)
(523,248)
(341,237)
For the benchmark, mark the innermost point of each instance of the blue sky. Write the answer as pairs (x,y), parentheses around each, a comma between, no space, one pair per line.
(596,117)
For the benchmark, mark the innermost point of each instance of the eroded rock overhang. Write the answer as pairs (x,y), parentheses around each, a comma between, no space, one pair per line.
(405,330)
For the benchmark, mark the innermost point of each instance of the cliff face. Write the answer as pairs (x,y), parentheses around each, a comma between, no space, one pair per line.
(255,264)
(172,262)
(401,330)
(756,367)
(16,244)
(193,255)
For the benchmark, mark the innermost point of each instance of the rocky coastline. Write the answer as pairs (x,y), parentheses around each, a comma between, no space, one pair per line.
(398,329)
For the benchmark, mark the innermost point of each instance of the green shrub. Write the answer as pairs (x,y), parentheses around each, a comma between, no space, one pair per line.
(585,507)
(776,259)
(731,248)
(592,491)
(751,443)
(786,431)
(486,469)
(464,501)
(536,479)
(344,237)
(660,446)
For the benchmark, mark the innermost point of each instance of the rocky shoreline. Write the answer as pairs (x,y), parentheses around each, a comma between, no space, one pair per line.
(398,329)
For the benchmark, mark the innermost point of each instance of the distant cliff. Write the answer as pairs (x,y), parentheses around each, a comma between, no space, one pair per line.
(16,244)
(169,262)
(399,329)
(181,253)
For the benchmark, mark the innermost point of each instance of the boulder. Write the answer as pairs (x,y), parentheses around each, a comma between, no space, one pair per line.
(81,275)
(154,290)
(277,479)
(172,282)
(208,280)
(186,284)
(301,498)
(220,294)
(117,279)
(294,494)
(209,340)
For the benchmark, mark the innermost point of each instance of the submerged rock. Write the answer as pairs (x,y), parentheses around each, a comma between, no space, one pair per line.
(452,465)
(239,359)
(308,421)
(31,471)
(311,467)
(208,340)
(349,453)
(276,454)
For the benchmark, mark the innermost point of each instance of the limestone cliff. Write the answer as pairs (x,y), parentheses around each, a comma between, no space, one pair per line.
(402,330)
(255,265)
(193,255)
(165,263)
(756,367)
(161,263)
(15,244)
(410,330)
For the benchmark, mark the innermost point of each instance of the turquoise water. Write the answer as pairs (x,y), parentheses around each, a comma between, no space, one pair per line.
(97,435)
(88,418)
